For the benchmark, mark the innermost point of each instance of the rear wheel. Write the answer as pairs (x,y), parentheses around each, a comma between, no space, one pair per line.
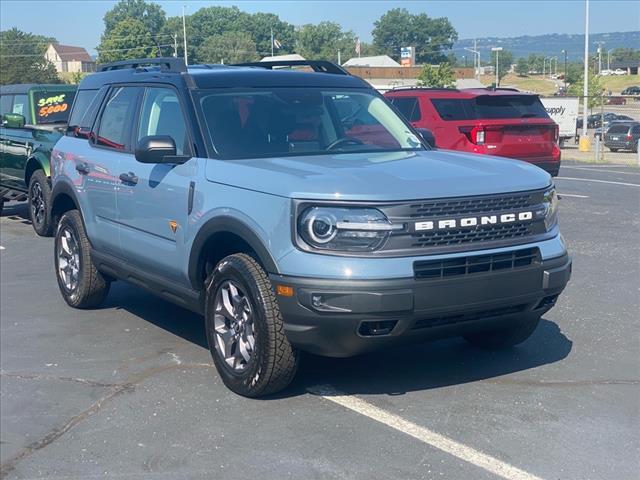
(505,337)
(245,330)
(80,282)
(1,205)
(613,149)
(40,204)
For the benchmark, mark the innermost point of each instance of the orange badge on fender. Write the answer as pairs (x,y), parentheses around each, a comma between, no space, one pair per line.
(174,225)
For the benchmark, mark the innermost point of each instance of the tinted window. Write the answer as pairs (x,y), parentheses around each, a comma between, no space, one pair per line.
(618,129)
(490,107)
(5,103)
(408,106)
(84,110)
(21,105)
(162,115)
(302,120)
(115,123)
(52,106)
(453,109)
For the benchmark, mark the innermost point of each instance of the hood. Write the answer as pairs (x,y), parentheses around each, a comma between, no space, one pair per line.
(379,176)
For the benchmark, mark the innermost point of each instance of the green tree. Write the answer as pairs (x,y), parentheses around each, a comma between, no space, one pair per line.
(260,25)
(398,28)
(574,72)
(522,67)
(441,76)
(536,62)
(232,47)
(625,54)
(150,14)
(505,59)
(595,90)
(22,58)
(322,41)
(128,39)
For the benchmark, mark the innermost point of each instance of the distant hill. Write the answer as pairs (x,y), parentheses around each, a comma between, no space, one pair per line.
(551,44)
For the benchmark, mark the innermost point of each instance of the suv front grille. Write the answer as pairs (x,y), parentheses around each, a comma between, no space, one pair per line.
(427,269)
(464,238)
(468,206)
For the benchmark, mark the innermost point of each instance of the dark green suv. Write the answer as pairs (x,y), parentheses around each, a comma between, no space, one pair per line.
(33,119)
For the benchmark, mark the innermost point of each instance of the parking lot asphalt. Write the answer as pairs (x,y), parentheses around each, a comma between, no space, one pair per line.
(129,391)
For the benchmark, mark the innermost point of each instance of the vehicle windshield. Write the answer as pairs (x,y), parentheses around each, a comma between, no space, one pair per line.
(51,106)
(302,121)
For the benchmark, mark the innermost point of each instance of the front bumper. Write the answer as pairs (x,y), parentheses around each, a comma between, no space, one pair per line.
(341,318)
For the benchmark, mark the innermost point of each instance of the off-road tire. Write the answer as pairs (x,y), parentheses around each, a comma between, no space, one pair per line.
(92,286)
(38,180)
(505,337)
(274,360)
(1,205)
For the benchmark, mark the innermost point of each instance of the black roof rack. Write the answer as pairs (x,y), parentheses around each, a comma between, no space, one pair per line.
(320,66)
(168,64)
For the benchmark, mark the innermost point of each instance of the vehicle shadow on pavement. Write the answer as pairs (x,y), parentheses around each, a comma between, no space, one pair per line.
(431,365)
(17,211)
(413,367)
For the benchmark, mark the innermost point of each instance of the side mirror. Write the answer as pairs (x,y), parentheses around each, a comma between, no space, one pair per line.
(428,136)
(13,120)
(158,149)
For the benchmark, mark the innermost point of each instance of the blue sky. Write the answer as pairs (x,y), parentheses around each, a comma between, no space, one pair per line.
(79,22)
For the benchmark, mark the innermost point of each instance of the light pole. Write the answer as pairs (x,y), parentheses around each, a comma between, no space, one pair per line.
(609,58)
(565,71)
(585,144)
(497,50)
(184,33)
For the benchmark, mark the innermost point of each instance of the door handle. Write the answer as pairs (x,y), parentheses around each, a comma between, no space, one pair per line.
(82,168)
(129,178)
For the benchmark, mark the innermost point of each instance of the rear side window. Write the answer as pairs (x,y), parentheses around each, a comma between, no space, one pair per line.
(453,108)
(408,106)
(490,107)
(115,123)
(52,106)
(80,106)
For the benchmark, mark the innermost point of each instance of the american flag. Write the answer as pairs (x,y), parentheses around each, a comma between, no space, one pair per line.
(276,43)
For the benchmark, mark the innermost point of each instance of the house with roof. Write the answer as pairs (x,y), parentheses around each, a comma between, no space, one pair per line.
(67,58)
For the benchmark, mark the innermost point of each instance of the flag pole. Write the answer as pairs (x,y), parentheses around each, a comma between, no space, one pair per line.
(272,41)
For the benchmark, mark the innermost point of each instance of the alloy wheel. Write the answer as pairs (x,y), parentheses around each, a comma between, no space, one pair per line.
(68,259)
(37,203)
(233,325)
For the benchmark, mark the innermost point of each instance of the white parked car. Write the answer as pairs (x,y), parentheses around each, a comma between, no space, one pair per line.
(619,71)
(606,72)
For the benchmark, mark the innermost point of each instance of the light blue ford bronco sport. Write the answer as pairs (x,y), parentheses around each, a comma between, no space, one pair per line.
(297,211)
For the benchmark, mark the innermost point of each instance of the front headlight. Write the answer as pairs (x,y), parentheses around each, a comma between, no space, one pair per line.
(344,229)
(550,202)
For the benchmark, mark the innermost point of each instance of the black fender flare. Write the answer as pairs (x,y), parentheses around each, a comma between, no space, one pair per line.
(62,188)
(226,224)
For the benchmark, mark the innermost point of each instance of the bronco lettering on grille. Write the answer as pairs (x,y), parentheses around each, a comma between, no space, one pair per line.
(467,222)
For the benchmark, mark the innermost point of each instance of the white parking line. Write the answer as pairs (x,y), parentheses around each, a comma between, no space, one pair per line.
(590,169)
(597,181)
(468,454)
(572,195)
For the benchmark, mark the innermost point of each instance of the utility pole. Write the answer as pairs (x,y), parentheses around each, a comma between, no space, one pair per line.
(175,45)
(272,41)
(184,33)
(585,144)
(476,59)
(497,50)
(339,62)
(565,71)
(609,58)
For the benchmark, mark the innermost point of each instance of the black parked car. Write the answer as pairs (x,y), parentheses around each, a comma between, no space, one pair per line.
(635,90)
(622,136)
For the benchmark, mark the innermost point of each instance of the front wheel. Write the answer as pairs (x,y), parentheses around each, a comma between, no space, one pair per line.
(40,204)
(505,337)
(245,330)
(80,282)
